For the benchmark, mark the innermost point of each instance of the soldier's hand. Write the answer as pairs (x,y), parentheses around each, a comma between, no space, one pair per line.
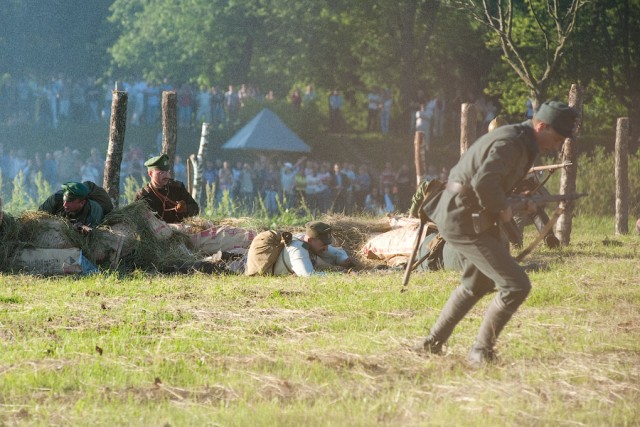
(423,215)
(530,207)
(181,206)
(81,228)
(348,263)
(506,214)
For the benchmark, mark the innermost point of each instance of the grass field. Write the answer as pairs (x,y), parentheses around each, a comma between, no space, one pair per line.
(324,351)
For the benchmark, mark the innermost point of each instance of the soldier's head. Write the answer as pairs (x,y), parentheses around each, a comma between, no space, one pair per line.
(74,197)
(158,170)
(318,236)
(553,122)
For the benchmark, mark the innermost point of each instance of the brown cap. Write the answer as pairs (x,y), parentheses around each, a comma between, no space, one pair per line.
(319,230)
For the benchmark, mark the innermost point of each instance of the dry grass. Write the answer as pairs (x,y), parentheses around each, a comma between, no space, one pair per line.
(334,350)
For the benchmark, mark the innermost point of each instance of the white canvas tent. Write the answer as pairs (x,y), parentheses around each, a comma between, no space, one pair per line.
(266,132)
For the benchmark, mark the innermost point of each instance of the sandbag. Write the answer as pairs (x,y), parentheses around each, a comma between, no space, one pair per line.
(264,251)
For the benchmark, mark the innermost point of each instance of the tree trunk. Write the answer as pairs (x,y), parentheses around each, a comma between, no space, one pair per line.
(169,126)
(622,176)
(468,126)
(569,174)
(198,175)
(117,128)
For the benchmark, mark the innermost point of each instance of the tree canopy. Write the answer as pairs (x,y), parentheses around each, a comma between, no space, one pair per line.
(458,49)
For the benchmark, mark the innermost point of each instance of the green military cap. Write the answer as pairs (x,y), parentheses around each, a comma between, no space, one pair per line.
(319,230)
(160,162)
(559,116)
(74,190)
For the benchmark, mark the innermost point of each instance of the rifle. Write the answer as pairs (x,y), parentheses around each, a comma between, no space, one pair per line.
(484,219)
(549,168)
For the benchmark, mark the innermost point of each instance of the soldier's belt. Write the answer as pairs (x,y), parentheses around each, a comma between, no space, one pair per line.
(457,188)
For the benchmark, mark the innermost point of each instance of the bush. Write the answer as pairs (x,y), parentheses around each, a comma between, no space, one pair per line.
(596,176)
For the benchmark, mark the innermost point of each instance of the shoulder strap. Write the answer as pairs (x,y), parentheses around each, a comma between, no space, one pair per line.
(273,268)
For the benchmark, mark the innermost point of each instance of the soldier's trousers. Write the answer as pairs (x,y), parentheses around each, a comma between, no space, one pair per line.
(488,265)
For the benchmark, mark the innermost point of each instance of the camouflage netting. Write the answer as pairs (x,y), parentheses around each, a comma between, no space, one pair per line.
(34,229)
(352,233)
(130,237)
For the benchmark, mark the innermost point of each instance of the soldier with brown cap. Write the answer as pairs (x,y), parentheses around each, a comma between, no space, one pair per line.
(169,199)
(482,180)
(308,250)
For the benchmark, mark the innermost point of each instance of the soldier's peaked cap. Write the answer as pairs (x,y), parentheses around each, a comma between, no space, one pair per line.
(75,190)
(160,162)
(319,230)
(559,116)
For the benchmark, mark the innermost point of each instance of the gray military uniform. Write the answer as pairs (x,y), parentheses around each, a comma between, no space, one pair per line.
(484,176)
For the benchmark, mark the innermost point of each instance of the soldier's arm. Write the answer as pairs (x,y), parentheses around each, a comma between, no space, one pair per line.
(299,260)
(493,175)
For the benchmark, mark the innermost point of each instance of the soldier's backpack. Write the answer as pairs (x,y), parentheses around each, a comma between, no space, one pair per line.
(99,195)
(264,251)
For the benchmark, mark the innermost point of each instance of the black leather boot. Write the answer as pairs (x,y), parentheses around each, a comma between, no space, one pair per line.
(497,315)
(458,305)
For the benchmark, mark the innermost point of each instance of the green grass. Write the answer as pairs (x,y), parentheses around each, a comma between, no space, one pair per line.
(331,350)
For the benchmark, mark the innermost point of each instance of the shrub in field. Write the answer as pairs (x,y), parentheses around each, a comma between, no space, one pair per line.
(21,200)
(131,187)
(596,176)
(43,187)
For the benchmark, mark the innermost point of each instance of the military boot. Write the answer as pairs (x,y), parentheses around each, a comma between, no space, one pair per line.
(458,305)
(482,353)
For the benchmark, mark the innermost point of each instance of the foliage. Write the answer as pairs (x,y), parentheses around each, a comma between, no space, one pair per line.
(21,200)
(596,177)
(131,187)
(43,187)
(45,39)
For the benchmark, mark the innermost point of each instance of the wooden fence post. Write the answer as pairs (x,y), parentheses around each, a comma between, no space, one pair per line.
(117,128)
(169,126)
(622,175)
(468,126)
(418,140)
(569,174)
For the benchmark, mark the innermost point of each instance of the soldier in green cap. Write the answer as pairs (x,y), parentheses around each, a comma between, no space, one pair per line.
(169,199)
(74,204)
(481,180)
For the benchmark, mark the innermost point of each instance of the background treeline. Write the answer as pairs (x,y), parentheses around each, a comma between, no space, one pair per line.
(404,45)
(438,46)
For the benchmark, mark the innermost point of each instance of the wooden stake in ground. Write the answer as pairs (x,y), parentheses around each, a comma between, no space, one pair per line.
(569,173)
(117,128)
(468,126)
(198,176)
(622,175)
(418,140)
(169,126)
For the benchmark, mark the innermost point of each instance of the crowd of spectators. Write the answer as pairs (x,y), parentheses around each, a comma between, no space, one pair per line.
(52,102)
(324,186)
(320,185)
(58,100)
